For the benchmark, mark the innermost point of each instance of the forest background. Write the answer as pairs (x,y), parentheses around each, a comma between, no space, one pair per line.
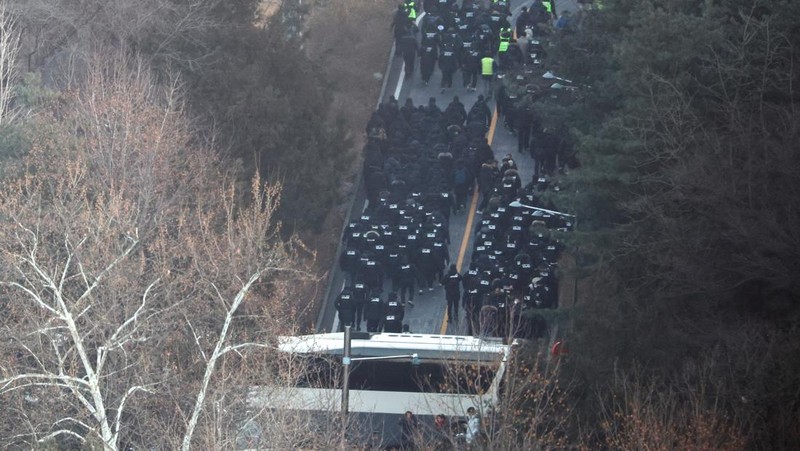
(137,167)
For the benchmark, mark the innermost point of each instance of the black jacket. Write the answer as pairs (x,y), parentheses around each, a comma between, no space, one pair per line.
(375,309)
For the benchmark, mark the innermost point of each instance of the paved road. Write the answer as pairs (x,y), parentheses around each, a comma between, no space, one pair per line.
(429,313)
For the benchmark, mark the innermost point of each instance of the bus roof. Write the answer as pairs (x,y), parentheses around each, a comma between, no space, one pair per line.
(440,347)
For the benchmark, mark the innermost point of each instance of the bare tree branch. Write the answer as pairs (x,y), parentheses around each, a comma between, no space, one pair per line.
(9,48)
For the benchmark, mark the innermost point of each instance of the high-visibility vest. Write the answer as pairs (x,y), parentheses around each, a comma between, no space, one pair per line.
(548,5)
(411,9)
(505,39)
(487,65)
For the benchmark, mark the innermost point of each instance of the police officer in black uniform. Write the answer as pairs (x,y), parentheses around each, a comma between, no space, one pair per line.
(452,290)
(395,312)
(408,47)
(375,312)
(344,305)
(406,279)
(359,296)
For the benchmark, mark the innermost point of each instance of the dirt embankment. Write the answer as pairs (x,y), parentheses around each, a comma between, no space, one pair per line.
(351,39)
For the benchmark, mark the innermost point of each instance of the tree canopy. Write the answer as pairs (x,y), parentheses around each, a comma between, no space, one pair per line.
(688,183)
(250,87)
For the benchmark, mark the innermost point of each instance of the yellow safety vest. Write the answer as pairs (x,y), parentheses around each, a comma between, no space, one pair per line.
(412,11)
(505,39)
(548,6)
(487,65)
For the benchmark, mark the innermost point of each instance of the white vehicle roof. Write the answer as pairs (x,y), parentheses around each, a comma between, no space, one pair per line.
(437,347)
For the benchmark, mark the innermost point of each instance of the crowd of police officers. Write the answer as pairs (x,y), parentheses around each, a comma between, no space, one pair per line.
(468,37)
(421,163)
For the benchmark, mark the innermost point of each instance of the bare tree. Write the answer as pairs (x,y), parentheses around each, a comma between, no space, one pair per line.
(164,30)
(130,270)
(659,416)
(9,48)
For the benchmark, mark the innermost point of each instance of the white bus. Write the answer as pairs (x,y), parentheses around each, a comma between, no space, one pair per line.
(447,374)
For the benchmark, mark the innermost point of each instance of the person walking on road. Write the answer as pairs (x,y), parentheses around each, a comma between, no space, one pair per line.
(524,20)
(427,61)
(488,66)
(393,320)
(359,301)
(469,60)
(406,278)
(448,63)
(480,112)
(487,177)
(407,45)
(411,8)
(375,312)
(455,113)
(550,8)
(344,306)
(401,24)
(452,290)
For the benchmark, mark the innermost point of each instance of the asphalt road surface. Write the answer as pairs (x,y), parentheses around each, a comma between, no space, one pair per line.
(428,315)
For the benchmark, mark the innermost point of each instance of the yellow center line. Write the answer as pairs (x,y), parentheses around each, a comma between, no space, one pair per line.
(462,251)
(492,126)
(467,230)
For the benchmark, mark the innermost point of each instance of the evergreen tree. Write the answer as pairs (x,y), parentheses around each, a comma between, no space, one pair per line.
(688,193)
